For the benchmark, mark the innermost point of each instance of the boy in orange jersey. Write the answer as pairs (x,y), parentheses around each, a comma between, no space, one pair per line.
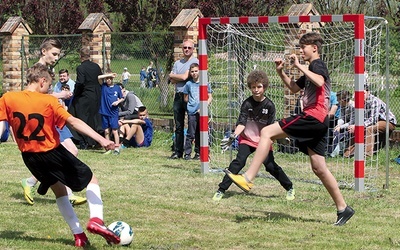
(34,115)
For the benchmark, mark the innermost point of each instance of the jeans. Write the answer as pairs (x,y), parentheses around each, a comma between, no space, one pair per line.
(179,108)
(193,134)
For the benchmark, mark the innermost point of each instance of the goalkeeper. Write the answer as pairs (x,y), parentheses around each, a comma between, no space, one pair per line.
(256,112)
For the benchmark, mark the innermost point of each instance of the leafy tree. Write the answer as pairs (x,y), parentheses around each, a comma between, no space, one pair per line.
(9,8)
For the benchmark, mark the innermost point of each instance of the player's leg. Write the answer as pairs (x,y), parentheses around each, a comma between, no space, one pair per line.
(189,137)
(96,222)
(68,213)
(197,139)
(320,169)
(277,172)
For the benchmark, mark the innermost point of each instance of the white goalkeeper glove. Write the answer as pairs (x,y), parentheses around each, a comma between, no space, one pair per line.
(227,142)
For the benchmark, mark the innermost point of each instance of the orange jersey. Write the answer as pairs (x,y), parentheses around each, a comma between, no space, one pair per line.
(33,117)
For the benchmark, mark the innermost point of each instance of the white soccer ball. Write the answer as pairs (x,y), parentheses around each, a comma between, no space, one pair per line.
(124,231)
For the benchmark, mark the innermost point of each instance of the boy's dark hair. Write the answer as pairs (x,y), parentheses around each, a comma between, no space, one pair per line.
(65,86)
(258,76)
(343,95)
(49,43)
(62,71)
(193,65)
(142,108)
(312,38)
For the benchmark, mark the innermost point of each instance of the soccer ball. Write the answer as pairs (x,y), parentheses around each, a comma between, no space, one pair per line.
(123,230)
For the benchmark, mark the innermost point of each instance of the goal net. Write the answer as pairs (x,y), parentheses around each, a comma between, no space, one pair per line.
(235,48)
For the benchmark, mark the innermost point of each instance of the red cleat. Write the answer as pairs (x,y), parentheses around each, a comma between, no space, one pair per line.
(96,226)
(81,240)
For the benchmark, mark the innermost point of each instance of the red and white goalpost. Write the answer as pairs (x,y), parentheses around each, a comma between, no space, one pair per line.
(359,80)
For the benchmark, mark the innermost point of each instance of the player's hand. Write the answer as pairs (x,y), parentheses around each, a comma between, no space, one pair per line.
(227,142)
(279,64)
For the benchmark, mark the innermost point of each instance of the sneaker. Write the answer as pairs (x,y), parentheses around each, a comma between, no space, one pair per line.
(290,194)
(239,180)
(344,216)
(123,146)
(27,191)
(116,151)
(175,156)
(187,157)
(96,226)
(76,200)
(196,156)
(81,240)
(107,152)
(218,196)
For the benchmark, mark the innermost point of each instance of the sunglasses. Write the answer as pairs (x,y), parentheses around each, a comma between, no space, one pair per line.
(187,47)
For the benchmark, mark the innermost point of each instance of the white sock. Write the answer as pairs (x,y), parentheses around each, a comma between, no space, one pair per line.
(69,191)
(93,197)
(31,181)
(69,214)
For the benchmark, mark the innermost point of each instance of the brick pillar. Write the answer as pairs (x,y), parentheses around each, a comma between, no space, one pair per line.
(185,26)
(95,36)
(13,30)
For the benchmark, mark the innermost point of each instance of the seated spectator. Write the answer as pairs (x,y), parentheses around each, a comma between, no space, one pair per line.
(5,131)
(375,121)
(128,108)
(346,118)
(137,132)
(333,115)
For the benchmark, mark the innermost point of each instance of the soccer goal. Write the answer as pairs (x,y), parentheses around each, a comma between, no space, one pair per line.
(231,47)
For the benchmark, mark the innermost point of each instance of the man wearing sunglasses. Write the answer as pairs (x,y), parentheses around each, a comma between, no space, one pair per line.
(179,76)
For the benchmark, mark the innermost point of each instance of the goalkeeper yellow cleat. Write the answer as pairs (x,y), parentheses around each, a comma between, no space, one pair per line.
(76,200)
(239,180)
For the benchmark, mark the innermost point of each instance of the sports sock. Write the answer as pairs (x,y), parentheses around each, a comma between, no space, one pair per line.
(69,214)
(94,201)
(31,181)
(69,191)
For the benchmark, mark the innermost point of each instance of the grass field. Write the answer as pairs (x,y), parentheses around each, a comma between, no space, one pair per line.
(168,203)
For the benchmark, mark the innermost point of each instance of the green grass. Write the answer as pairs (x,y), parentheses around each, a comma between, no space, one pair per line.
(168,203)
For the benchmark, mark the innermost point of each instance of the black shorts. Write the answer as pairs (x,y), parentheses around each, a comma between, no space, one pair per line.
(58,165)
(307,131)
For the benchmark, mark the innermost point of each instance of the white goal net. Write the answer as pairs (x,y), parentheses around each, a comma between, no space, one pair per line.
(235,49)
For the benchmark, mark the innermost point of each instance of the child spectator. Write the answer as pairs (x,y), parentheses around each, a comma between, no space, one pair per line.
(139,132)
(143,77)
(111,96)
(191,92)
(125,76)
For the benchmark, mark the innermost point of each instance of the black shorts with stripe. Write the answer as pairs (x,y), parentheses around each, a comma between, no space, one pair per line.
(307,131)
(58,165)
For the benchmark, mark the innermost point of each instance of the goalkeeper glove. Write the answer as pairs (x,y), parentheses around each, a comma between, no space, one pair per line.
(227,142)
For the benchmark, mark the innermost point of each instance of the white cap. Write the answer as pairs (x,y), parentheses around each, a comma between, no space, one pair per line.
(125,68)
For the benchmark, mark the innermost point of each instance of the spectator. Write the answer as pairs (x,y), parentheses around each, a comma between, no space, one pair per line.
(375,121)
(143,77)
(191,93)
(152,78)
(125,76)
(179,76)
(111,97)
(63,78)
(130,105)
(333,115)
(87,94)
(346,118)
(138,132)
(5,131)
